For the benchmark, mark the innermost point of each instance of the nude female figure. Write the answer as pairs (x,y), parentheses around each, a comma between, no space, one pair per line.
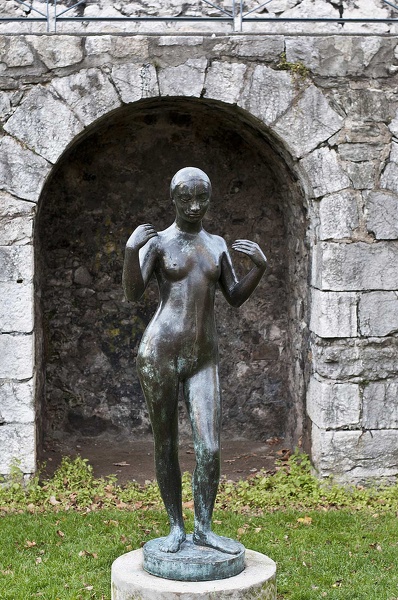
(180,346)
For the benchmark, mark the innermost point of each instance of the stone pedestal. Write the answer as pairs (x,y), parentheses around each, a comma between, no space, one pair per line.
(131,582)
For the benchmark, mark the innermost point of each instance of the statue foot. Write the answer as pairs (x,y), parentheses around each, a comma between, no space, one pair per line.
(172,543)
(218,542)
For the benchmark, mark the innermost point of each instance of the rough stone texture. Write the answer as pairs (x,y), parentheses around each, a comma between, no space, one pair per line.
(268,47)
(362,175)
(325,172)
(355,456)
(17,357)
(44,123)
(381,215)
(17,402)
(16,264)
(378,313)
(22,172)
(16,307)
(224,81)
(332,405)
(118,47)
(18,443)
(15,52)
(334,314)
(380,405)
(186,79)
(309,121)
(88,93)
(358,360)
(268,94)
(338,214)
(357,266)
(16,220)
(58,51)
(135,82)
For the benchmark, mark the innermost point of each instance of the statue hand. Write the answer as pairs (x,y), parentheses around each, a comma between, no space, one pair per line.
(140,236)
(252,250)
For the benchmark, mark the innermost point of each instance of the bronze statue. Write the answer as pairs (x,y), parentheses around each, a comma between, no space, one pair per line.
(180,346)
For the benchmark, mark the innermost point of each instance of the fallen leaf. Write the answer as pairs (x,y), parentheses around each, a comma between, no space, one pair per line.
(29,544)
(52,500)
(121,464)
(60,533)
(217,522)
(305,520)
(88,587)
(189,504)
(38,560)
(258,529)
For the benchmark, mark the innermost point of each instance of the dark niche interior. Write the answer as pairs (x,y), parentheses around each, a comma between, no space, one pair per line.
(117,177)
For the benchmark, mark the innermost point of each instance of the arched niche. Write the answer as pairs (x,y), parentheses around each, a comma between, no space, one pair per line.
(116,176)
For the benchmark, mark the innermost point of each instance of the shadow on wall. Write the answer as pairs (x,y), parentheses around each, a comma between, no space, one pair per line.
(117,177)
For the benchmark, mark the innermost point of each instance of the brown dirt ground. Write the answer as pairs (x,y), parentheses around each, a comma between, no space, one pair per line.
(133,460)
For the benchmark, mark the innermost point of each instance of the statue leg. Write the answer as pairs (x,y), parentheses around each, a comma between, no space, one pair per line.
(203,399)
(161,395)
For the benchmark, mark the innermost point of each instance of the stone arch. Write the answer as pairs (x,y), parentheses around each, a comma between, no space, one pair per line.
(54,117)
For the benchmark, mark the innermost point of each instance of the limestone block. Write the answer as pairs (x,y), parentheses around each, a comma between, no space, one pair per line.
(44,123)
(359,132)
(16,264)
(309,121)
(334,314)
(333,405)
(16,220)
(363,175)
(357,360)
(357,266)
(224,81)
(389,178)
(5,105)
(18,443)
(16,307)
(17,401)
(269,47)
(338,215)
(117,46)
(355,456)
(361,152)
(393,126)
(380,405)
(378,313)
(381,215)
(324,172)
(180,40)
(183,80)
(89,93)
(58,51)
(16,52)
(134,81)
(268,94)
(22,172)
(16,353)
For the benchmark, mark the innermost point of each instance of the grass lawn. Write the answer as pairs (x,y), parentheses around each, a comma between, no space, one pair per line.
(334,554)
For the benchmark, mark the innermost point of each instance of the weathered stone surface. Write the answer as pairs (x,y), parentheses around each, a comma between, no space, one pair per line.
(338,215)
(17,402)
(361,152)
(356,359)
(16,264)
(135,82)
(389,178)
(333,405)
(269,47)
(15,52)
(18,443)
(16,220)
(355,456)
(180,40)
(357,266)
(224,81)
(324,172)
(363,175)
(380,405)
(381,215)
(44,123)
(309,121)
(334,314)
(58,51)
(184,80)
(356,131)
(88,93)
(117,46)
(16,307)
(22,172)
(17,356)
(268,94)
(378,313)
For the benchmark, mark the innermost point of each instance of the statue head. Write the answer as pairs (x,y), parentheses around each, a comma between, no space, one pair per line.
(190,191)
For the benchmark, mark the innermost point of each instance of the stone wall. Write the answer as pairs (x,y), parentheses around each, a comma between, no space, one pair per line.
(328,137)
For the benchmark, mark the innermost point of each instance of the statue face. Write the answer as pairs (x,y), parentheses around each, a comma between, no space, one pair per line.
(192,199)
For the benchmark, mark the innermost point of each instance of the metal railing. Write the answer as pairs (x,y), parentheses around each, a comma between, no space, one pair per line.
(236,16)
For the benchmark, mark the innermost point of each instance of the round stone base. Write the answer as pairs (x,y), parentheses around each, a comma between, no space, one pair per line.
(131,582)
(192,562)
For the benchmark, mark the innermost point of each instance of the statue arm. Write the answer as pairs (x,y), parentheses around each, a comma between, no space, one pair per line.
(237,292)
(139,261)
